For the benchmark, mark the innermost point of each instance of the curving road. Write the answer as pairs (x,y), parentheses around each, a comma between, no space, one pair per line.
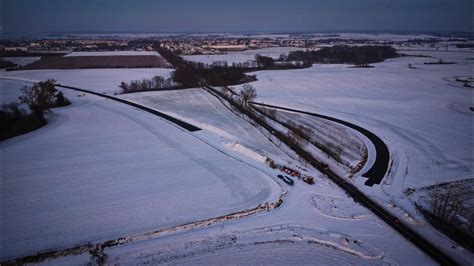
(171,119)
(410,234)
(382,156)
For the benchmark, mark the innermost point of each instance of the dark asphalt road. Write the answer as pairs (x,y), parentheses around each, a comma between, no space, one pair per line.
(382,158)
(171,119)
(405,230)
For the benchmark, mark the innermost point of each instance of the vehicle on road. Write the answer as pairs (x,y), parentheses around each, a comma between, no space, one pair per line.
(286,179)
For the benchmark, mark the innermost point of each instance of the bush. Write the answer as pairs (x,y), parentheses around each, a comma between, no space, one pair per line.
(248,94)
(15,121)
(155,83)
(61,100)
(40,97)
(264,61)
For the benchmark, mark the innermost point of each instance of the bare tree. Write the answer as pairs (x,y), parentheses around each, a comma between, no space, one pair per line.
(40,96)
(124,87)
(445,206)
(338,153)
(248,94)
(270,112)
(295,138)
(305,132)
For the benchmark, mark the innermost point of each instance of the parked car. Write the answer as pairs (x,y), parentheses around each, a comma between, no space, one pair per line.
(286,179)
(325,166)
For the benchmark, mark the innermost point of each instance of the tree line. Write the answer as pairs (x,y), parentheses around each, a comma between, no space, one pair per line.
(155,83)
(39,98)
(196,74)
(357,55)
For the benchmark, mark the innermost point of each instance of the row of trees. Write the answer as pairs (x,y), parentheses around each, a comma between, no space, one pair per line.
(444,211)
(155,83)
(357,55)
(39,98)
(223,63)
(195,74)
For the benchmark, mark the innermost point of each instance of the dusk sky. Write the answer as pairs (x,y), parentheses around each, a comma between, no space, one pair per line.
(36,16)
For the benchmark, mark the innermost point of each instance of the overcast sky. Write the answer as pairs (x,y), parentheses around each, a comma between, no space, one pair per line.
(36,16)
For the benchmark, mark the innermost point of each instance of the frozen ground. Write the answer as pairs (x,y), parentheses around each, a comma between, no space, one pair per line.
(416,111)
(462,190)
(241,56)
(10,90)
(316,224)
(298,233)
(101,170)
(200,108)
(375,36)
(22,61)
(119,205)
(421,114)
(99,80)
(345,145)
(113,53)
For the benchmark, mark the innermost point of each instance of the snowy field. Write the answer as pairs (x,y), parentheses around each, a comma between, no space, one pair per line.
(99,80)
(101,170)
(298,233)
(376,36)
(22,61)
(346,145)
(241,56)
(127,192)
(113,53)
(200,108)
(10,90)
(421,114)
(145,174)
(318,35)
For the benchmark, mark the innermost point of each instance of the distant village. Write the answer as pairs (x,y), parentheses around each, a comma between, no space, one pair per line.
(196,45)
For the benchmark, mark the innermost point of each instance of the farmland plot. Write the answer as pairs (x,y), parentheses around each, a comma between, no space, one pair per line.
(241,56)
(421,116)
(98,80)
(100,170)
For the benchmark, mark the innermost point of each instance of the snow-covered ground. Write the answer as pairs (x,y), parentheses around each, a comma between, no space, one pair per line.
(416,111)
(22,61)
(99,80)
(421,114)
(374,36)
(346,145)
(241,56)
(113,53)
(101,170)
(127,192)
(10,90)
(297,233)
(200,108)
